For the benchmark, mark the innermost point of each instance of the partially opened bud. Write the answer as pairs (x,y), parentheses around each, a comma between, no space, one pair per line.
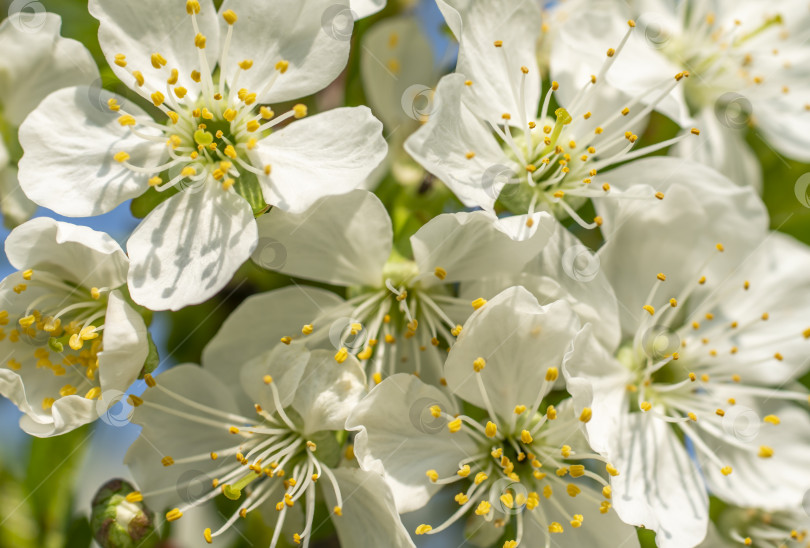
(120,519)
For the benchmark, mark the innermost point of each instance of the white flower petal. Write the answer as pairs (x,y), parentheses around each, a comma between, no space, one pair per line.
(658,485)
(442,145)
(327,154)
(518,340)
(496,71)
(328,391)
(342,240)
(125,345)
(68,413)
(398,437)
(397,72)
(722,146)
(364,8)
(37,61)
(783,120)
(15,206)
(249,331)
(286,366)
(76,253)
(313,36)
(700,205)
(476,245)
(189,247)
(165,434)
(83,129)
(369,515)
(140,29)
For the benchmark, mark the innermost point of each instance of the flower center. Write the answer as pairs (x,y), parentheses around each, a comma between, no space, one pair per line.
(209,138)
(270,458)
(59,329)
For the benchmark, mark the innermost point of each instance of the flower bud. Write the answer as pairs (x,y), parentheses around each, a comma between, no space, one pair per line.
(120,519)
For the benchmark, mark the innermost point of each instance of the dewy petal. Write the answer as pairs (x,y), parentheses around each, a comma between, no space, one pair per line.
(341,240)
(189,247)
(495,71)
(15,206)
(37,61)
(76,253)
(442,145)
(166,434)
(723,148)
(396,71)
(69,142)
(518,340)
(313,36)
(369,515)
(472,246)
(140,29)
(260,322)
(327,154)
(700,205)
(328,391)
(398,437)
(125,348)
(658,485)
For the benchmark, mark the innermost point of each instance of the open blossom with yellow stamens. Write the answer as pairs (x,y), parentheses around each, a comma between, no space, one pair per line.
(71,342)
(692,394)
(401,313)
(521,465)
(211,78)
(747,61)
(758,527)
(495,137)
(274,442)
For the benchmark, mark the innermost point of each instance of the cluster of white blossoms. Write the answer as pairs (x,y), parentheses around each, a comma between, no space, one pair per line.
(476,375)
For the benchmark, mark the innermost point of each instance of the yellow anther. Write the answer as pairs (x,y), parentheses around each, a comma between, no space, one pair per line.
(479,364)
(555,527)
(461,498)
(551,374)
(692,416)
(606,187)
(424,528)
(726,470)
(167,461)
(440,273)
(120,59)
(572,490)
(432,475)
(93,394)
(649,309)
(342,355)
(158,98)
(138,77)
(282,66)
(229,16)
(252,126)
(454,425)
(491,429)
(645,406)
(456,331)
(765,452)
(519,409)
(551,412)
(199,40)
(299,110)
(174,515)
(121,157)
(158,61)
(772,419)
(478,303)
(483,508)
(526,437)
(464,471)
